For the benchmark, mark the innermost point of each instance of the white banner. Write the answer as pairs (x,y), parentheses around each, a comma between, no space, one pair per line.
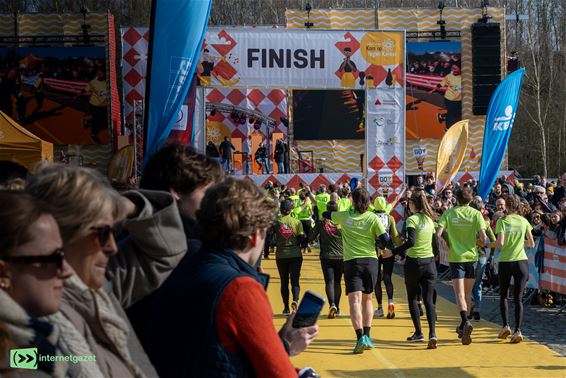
(273,58)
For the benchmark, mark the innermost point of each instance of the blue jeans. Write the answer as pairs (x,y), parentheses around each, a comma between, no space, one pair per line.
(264,165)
(476,290)
(226,164)
(280,167)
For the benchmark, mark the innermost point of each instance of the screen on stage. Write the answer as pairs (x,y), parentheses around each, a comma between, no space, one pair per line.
(328,114)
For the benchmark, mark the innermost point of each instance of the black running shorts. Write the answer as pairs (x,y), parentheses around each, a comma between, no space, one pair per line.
(360,275)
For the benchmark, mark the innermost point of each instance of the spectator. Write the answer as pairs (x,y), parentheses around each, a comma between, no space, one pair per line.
(106,282)
(223,324)
(494,195)
(559,192)
(500,204)
(32,270)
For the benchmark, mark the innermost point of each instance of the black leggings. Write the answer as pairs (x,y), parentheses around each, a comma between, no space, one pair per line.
(290,268)
(421,274)
(307,225)
(387,265)
(333,271)
(519,270)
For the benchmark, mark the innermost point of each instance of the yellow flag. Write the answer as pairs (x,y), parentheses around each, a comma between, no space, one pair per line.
(451,152)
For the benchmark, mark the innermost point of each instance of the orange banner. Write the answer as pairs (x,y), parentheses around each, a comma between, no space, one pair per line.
(451,152)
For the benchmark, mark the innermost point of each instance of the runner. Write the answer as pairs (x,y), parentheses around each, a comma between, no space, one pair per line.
(420,267)
(385,263)
(360,230)
(331,258)
(513,236)
(462,224)
(288,232)
(303,211)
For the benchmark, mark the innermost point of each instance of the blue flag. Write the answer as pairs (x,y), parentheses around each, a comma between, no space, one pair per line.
(498,124)
(177,32)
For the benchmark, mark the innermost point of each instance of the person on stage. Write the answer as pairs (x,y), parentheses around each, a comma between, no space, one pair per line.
(261,158)
(462,224)
(360,231)
(420,267)
(513,236)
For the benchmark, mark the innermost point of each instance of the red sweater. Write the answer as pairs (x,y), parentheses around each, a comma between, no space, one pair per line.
(244,323)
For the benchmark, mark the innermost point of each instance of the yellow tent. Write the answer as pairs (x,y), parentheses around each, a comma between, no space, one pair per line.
(21,146)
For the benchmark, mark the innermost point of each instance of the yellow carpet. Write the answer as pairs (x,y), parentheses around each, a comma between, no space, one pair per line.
(331,353)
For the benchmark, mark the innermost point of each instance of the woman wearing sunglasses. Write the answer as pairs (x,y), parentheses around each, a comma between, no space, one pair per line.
(110,275)
(32,270)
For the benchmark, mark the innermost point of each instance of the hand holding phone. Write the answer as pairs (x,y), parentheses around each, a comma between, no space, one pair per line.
(309,310)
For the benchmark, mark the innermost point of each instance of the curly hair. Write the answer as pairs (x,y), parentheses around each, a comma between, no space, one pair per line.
(179,167)
(76,197)
(233,210)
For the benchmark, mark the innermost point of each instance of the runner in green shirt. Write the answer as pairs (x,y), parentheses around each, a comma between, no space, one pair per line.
(462,225)
(420,267)
(513,235)
(288,232)
(360,230)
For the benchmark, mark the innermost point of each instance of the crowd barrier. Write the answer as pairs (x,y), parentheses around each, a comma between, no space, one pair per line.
(553,277)
(69,86)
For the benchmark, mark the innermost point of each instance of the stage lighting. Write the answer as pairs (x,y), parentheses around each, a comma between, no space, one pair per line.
(234,115)
(440,21)
(213,112)
(85,26)
(308,24)
(484,16)
(257,124)
(285,121)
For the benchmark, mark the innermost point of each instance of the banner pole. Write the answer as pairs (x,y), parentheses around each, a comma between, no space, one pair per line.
(148,75)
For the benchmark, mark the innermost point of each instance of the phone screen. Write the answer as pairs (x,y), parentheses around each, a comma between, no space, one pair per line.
(308,310)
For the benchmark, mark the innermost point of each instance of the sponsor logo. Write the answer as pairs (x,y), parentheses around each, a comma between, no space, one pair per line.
(504,122)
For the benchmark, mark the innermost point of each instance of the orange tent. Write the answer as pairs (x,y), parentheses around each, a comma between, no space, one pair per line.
(21,146)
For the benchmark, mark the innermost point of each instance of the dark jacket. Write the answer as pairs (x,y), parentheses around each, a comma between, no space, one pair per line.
(183,318)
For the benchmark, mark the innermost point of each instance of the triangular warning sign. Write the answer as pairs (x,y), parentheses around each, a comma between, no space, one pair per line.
(377,102)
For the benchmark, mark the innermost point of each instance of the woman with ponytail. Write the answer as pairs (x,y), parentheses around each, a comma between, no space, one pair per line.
(420,268)
(513,236)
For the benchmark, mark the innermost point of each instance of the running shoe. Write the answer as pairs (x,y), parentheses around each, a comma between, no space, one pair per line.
(477,316)
(432,343)
(360,346)
(379,312)
(390,311)
(337,312)
(332,312)
(286,312)
(517,337)
(294,306)
(414,338)
(459,331)
(467,333)
(367,341)
(504,333)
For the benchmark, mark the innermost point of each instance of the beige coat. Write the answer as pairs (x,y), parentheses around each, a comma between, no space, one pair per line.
(155,245)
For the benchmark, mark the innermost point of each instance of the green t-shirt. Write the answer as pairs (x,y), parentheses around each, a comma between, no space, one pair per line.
(287,231)
(296,199)
(424,230)
(321,200)
(306,213)
(344,204)
(359,232)
(515,228)
(462,224)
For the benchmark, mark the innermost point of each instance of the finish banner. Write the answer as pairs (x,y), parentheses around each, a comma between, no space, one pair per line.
(323,59)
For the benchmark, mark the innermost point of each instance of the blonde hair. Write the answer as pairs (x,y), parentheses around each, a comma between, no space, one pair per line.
(77,197)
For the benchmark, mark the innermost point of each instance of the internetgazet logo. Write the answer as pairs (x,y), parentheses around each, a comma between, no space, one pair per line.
(28,358)
(23,358)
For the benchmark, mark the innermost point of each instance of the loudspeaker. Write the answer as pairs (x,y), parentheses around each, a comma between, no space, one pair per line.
(486,63)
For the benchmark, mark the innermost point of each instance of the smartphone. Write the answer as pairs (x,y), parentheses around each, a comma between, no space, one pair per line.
(309,310)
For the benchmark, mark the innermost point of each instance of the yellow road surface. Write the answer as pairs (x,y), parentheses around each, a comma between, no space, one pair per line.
(331,353)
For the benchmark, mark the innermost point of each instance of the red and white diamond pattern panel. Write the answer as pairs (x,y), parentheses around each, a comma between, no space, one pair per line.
(311,179)
(270,103)
(135,42)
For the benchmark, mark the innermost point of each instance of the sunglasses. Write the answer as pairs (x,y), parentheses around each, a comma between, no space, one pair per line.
(103,233)
(56,257)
